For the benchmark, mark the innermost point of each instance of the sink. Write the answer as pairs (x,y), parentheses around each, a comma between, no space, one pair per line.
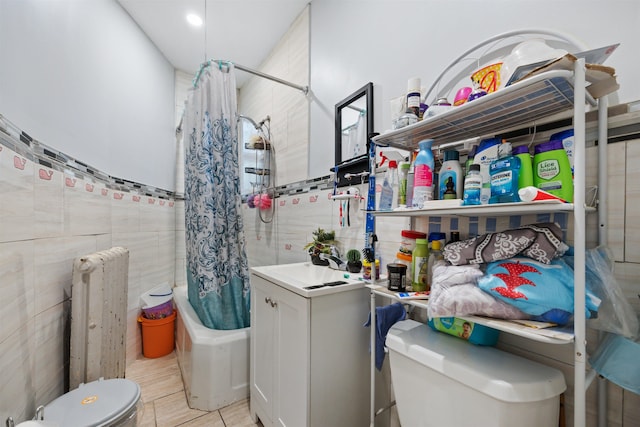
(300,276)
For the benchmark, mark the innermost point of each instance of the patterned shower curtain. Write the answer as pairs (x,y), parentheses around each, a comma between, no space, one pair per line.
(217,268)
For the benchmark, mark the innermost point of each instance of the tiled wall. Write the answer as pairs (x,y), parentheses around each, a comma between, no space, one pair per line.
(48,217)
(287,107)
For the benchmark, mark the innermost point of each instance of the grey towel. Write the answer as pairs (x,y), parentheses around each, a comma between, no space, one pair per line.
(541,242)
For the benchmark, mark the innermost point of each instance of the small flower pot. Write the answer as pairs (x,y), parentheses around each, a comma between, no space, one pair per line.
(315,260)
(354,267)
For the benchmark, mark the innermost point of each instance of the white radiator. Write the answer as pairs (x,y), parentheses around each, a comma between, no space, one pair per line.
(99,316)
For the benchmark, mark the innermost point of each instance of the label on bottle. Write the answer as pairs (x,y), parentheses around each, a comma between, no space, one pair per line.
(386,197)
(501,182)
(423,176)
(548,169)
(448,185)
(422,185)
(420,273)
(472,189)
(413,100)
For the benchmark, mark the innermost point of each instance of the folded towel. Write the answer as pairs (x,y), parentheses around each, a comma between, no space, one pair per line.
(385,318)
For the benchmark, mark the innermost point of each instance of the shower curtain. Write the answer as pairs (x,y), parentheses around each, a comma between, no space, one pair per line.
(217,267)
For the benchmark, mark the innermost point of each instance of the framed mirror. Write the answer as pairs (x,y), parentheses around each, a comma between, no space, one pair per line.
(353,124)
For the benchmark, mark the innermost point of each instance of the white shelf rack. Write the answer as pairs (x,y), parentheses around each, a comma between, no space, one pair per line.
(502,209)
(529,100)
(546,335)
(521,104)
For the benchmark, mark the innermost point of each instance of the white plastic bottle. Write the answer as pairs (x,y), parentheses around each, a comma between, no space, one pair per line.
(435,255)
(472,186)
(450,177)
(389,193)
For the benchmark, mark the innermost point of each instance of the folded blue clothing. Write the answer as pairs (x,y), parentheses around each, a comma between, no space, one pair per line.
(386,316)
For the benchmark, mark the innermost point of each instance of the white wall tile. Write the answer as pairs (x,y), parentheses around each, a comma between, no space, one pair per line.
(17,286)
(17,363)
(50,355)
(125,211)
(17,194)
(86,210)
(53,268)
(48,202)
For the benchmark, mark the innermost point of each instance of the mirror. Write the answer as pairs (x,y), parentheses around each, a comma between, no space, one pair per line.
(353,124)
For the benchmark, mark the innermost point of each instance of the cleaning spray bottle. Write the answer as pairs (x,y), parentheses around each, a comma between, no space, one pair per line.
(388,195)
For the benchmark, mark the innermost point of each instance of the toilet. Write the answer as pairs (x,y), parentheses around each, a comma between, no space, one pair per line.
(111,402)
(440,380)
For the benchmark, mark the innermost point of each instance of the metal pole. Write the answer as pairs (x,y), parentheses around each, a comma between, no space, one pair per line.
(304,89)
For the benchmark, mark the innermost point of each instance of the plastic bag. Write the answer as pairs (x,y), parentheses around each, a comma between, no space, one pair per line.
(615,314)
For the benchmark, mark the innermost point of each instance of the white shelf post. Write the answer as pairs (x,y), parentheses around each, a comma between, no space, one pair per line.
(579,236)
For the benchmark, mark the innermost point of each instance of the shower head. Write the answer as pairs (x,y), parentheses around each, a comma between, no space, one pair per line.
(258,126)
(250,120)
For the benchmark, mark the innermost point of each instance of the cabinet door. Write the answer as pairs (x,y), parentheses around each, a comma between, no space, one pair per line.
(292,360)
(263,317)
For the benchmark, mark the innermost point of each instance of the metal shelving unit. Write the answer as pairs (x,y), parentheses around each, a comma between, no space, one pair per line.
(535,98)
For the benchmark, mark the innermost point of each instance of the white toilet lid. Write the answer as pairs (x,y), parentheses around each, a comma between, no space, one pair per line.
(94,404)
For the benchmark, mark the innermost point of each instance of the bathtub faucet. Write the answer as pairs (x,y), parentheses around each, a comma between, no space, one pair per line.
(334,262)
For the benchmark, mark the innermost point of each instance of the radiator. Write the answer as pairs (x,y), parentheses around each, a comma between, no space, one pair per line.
(99,316)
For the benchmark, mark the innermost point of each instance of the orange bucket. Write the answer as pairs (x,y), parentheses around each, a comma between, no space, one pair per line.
(157,336)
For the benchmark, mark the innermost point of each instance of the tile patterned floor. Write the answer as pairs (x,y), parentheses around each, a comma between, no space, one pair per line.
(165,402)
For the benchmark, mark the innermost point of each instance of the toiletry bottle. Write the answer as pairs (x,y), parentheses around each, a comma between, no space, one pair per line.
(388,195)
(403,176)
(470,156)
(486,153)
(423,174)
(450,177)
(435,255)
(413,96)
(455,237)
(525,178)
(504,172)
(472,186)
(552,170)
(566,136)
(420,260)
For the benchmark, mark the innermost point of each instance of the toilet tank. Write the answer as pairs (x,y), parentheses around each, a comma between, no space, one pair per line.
(440,380)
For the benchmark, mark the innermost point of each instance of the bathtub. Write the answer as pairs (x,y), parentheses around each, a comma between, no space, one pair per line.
(214,363)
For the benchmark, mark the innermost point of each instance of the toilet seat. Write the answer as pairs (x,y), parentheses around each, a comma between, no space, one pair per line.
(98,403)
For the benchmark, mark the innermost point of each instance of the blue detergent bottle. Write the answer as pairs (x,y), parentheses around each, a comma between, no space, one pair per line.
(504,173)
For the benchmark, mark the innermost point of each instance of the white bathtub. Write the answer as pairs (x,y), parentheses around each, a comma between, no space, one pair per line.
(214,363)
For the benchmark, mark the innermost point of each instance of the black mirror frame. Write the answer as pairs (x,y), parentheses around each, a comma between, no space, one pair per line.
(366,91)
(360,164)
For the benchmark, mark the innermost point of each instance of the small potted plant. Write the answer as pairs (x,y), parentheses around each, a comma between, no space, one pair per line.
(322,242)
(354,265)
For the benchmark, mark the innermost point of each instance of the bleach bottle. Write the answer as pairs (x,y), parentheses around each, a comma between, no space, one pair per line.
(423,174)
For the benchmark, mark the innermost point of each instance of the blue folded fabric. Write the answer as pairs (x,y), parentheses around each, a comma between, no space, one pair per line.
(386,316)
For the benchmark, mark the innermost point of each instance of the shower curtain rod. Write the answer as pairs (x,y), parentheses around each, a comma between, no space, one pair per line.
(221,63)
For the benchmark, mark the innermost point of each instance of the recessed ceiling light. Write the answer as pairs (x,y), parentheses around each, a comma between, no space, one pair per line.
(194,20)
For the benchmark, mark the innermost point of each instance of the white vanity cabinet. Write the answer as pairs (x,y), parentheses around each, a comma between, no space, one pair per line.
(309,353)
